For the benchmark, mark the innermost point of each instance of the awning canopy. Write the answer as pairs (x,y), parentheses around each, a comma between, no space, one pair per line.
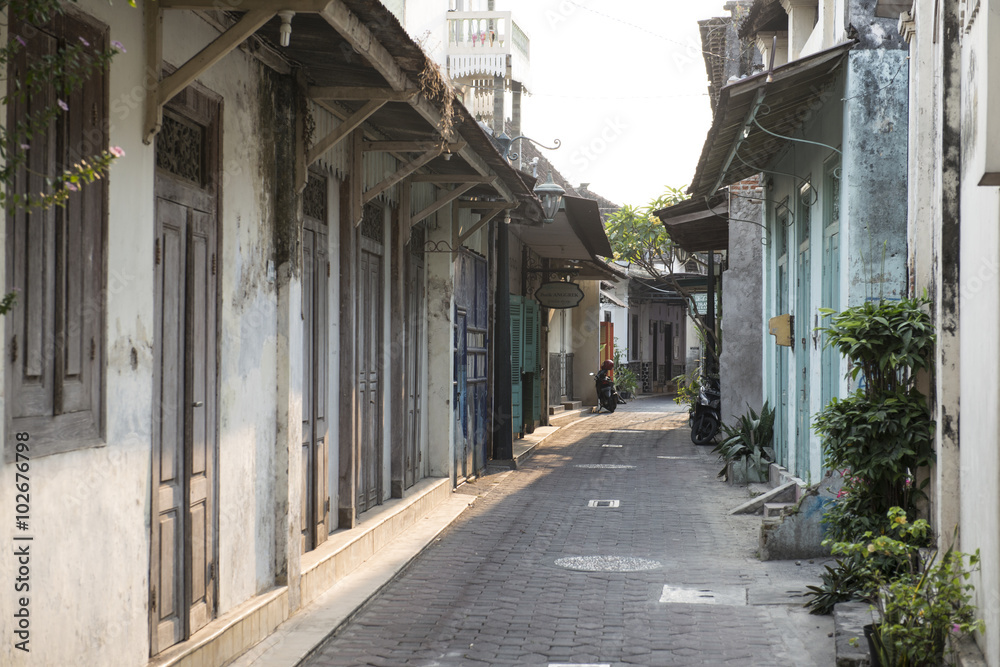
(611,298)
(780,102)
(698,225)
(576,233)
(345,78)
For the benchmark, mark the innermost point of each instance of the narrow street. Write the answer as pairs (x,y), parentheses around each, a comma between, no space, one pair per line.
(533,575)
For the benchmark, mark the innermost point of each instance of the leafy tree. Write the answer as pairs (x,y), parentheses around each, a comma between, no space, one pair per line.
(63,72)
(640,238)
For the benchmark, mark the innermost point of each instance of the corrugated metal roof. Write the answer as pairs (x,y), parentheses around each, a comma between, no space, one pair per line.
(698,225)
(782,101)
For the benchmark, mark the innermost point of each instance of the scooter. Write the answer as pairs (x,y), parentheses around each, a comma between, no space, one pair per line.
(705,414)
(607,395)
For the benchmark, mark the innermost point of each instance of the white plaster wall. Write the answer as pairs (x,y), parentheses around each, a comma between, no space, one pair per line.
(90,508)
(980,349)
(440,304)
(586,340)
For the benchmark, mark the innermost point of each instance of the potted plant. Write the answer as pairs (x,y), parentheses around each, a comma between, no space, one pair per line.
(915,613)
(747,447)
(626,381)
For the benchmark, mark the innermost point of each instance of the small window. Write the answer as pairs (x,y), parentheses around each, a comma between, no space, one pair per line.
(55,258)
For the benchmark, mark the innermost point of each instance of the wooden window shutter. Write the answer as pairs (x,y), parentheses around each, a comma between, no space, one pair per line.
(56,260)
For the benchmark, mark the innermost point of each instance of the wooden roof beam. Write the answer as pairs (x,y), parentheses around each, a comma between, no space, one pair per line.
(298,6)
(442,201)
(462,237)
(410,146)
(165,90)
(343,130)
(448,179)
(350,27)
(401,173)
(360,93)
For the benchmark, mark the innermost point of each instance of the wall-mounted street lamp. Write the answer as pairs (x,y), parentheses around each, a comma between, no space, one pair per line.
(551,194)
(508,142)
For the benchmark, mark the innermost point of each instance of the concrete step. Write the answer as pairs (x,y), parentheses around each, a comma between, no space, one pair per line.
(556,409)
(776,509)
(572,405)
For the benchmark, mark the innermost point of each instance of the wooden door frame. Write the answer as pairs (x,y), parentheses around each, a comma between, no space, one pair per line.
(203,107)
(318,513)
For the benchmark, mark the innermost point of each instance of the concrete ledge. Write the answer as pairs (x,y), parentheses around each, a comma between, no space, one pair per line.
(231,634)
(849,620)
(563,417)
(786,492)
(345,550)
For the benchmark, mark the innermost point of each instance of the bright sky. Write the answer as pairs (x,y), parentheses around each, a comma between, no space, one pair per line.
(623,85)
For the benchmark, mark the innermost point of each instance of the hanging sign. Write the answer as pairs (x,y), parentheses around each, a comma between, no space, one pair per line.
(559,295)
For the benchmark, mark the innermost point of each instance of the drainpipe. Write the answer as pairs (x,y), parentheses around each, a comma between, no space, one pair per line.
(502,428)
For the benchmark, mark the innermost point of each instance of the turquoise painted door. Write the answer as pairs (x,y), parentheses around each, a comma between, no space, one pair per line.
(802,339)
(831,280)
(780,401)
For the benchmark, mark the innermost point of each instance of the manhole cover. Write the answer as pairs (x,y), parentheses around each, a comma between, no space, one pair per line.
(604,466)
(608,563)
(732,596)
(614,446)
(604,503)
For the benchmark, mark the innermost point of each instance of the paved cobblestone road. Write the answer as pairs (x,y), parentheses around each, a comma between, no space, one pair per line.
(489,591)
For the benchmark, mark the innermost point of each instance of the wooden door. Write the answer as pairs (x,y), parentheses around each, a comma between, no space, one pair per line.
(414,367)
(185,439)
(184,446)
(463,436)
(315,367)
(369,380)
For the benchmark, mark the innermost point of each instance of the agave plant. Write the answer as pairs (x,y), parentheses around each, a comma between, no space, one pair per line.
(749,440)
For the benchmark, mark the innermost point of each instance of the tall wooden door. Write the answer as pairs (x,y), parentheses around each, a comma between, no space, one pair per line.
(414,356)
(315,365)
(369,355)
(182,576)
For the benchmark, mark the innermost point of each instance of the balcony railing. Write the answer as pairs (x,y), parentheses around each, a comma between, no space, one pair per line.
(478,43)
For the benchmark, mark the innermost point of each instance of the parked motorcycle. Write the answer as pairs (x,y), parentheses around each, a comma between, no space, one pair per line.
(705,413)
(607,395)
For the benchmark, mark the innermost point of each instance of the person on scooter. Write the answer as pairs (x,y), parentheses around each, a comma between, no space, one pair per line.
(606,375)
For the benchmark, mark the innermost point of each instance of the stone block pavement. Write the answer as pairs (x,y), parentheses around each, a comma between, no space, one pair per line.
(493,588)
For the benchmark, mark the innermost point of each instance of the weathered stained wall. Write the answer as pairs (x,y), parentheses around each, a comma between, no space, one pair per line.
(980,345)
(874,168)
(742,331)
(91,508)
(88,591)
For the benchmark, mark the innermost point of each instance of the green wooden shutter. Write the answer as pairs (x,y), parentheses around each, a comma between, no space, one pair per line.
(516,355)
